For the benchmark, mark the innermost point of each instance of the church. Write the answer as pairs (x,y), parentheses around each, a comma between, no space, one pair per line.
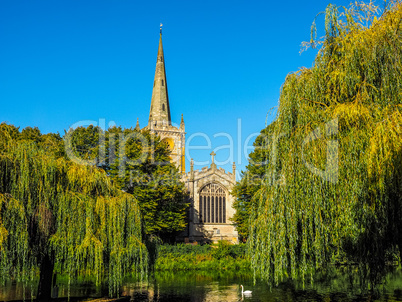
(209,189)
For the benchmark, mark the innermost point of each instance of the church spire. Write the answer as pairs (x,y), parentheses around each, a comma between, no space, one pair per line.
(159,114)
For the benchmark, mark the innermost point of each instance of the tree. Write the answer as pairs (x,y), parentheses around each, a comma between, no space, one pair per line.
(138,163)
(339,155)
(51,142)
(7,133)
(251,182)
(146,172)
(54,212)
(32,134)
(83,144)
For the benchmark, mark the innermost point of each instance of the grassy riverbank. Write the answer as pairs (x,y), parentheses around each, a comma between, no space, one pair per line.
(222,256)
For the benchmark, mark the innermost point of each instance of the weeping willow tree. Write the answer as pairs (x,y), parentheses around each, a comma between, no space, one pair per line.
(333,191)
(54,213)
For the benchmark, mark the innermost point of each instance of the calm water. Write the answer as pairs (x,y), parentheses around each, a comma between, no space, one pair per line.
(213,287)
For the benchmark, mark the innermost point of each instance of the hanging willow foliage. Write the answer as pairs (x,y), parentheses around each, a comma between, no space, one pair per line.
(51,208)
(333,190)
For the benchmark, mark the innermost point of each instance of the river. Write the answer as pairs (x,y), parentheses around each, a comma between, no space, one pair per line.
(221,286)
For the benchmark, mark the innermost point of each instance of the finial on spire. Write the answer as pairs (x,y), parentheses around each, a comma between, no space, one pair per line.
(137,127)
(182,122)
(234,172)
(192,170)
(160,28)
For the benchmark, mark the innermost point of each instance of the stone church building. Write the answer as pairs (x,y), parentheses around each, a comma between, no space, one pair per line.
(209,188)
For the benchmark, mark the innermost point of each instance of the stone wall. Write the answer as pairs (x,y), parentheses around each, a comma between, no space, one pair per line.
(175,137)
(205,231)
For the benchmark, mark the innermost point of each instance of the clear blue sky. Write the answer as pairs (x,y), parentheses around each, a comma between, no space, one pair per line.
(65,61)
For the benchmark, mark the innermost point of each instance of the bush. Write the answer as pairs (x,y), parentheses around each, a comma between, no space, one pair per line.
(224,256)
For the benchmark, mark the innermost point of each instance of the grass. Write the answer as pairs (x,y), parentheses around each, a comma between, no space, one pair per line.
(187,257)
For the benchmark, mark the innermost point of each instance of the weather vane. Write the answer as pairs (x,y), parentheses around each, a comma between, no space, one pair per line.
(160,27)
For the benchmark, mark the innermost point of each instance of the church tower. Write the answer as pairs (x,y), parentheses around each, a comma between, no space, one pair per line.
(160,122)
(211,204)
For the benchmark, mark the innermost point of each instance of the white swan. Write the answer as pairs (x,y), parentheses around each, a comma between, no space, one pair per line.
(245,292)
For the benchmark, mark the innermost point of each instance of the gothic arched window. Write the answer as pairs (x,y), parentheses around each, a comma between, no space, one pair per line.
(163,107)
(212,206)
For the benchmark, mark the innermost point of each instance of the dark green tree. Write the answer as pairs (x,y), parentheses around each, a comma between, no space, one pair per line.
(84,144)
(144,170)
(138,162)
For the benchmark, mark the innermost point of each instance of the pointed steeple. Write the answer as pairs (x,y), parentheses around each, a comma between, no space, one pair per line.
(182,122)
(234,171)
(159,114)
(137,127)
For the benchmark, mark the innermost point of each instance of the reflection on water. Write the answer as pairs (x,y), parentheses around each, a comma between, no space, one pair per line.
(214,287)
(226,287)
